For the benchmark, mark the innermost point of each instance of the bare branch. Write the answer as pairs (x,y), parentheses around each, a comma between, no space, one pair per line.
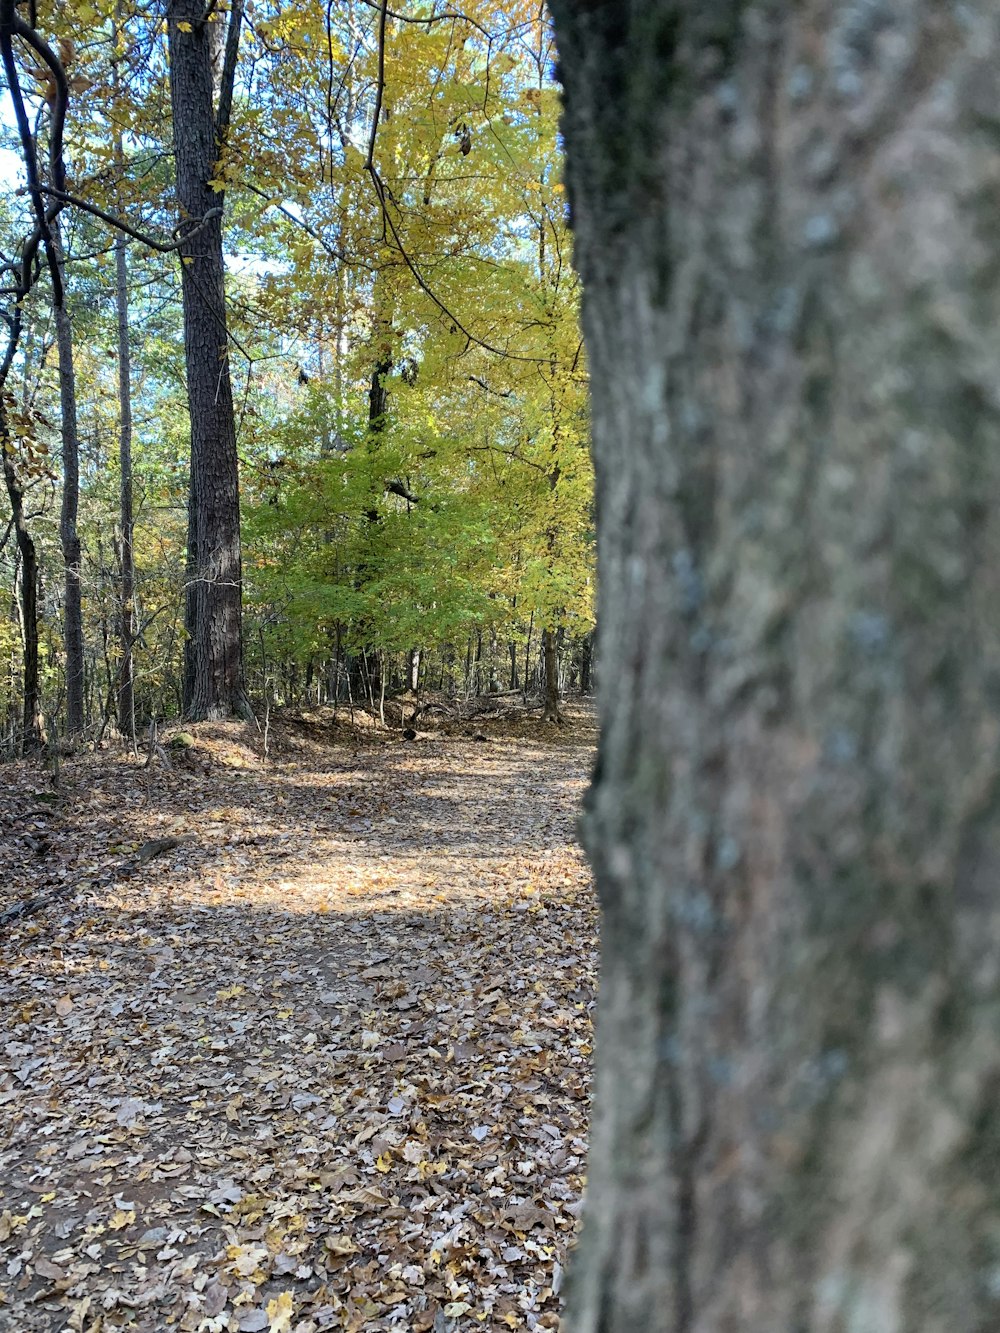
(151,243)
(444,16)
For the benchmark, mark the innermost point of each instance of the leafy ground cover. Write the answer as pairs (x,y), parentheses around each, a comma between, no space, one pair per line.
(295,1046)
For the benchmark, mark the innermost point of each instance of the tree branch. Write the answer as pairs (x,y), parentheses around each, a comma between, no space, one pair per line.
(225,108)
(430,19)
(379,87)
(151,243)
(397,488)
(10,25)
(497,393)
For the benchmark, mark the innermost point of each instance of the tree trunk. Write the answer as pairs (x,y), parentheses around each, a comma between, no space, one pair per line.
(512,651)
(32,726)
(413,670)
(550,664)
(214,605)
(587,663)
(126,612)
(785,225)
(68,534)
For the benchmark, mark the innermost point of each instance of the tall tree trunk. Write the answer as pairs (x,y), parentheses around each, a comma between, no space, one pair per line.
(126,609)
(32,726)
(68,534)
(214,603)
(784,222)
(126,623)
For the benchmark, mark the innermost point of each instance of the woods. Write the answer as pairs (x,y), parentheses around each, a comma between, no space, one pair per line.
(297,423)
(302,379)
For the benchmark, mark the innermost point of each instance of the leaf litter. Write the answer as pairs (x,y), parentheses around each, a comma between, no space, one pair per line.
(322,1063)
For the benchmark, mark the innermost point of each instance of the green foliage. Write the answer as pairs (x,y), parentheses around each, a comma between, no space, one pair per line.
(466,510)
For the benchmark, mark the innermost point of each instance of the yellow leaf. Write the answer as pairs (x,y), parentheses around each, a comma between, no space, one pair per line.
(280,1313)
(341,1245)
(121,1220)
(383,1163)
(185,27)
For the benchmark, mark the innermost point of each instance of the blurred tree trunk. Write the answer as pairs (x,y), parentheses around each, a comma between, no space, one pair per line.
(785,222)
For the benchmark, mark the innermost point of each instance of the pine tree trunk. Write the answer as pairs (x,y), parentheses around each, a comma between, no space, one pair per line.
(214,607)
(785,226)
(68,533)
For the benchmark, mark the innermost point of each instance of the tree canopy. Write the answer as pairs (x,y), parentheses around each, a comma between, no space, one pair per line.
(399,327)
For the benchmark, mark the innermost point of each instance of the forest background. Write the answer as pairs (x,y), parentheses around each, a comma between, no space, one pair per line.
(395,373)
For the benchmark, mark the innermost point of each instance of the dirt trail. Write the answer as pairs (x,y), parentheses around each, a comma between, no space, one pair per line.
(321,1065)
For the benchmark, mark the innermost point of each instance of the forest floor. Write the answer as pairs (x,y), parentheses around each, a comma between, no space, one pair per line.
(300,1044)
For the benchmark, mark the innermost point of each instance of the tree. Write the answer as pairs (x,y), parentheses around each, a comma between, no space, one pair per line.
(68,533)
(784,226)
(126,498)
(20,272)
(214,616)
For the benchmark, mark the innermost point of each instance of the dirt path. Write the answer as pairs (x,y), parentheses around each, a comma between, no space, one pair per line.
(322,1064)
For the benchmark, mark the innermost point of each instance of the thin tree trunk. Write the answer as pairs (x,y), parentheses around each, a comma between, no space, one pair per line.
(126,606)
(68,533)
(32,725)
(784,222)
(126,632)
(527,654)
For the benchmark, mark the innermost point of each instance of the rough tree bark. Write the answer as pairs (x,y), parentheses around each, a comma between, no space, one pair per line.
(785,222)
(214,685)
